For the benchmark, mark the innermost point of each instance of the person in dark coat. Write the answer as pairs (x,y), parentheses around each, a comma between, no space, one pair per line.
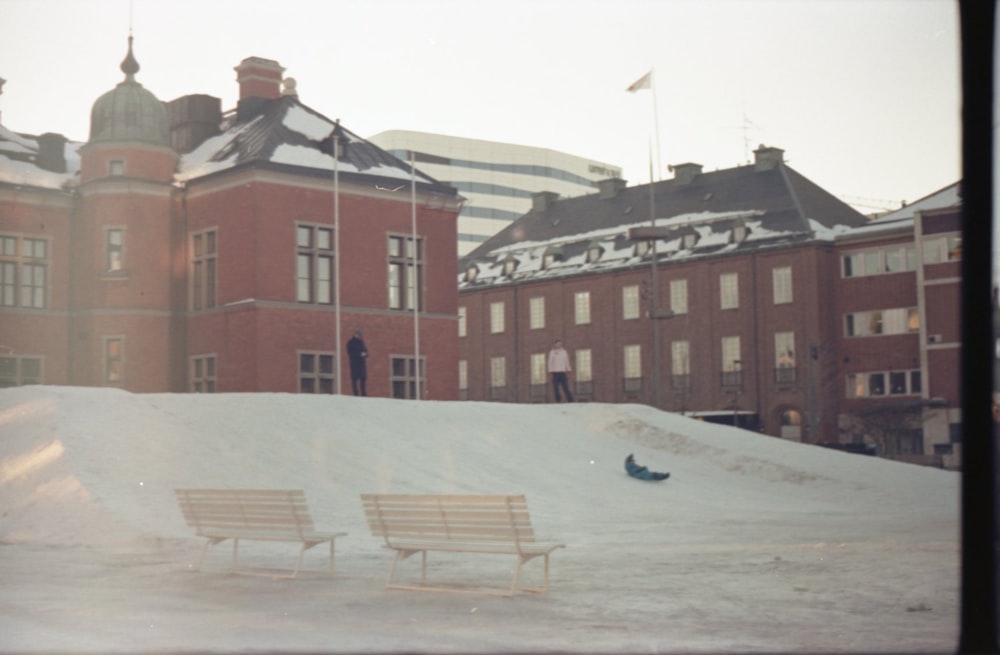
(642,472)
(357,353)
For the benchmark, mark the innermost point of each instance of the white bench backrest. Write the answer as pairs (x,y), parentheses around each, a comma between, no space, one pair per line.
(457,518)
(278,511)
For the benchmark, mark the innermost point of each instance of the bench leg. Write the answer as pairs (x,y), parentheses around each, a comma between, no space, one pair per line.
(236,553)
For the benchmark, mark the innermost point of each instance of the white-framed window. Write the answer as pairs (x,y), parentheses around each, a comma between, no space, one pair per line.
(24,269)
(784,357)
(202,374)
(317,371)
(729,290)
(680,357)
(879,261)
(632,358)
(19,370)
(406,272)
(902,320)
(581,307)
(496,317)
(679,296)
(116,167)
(782,282)
(536,313)
(538,371)
(784,350)
(314,266)
(403,376)
(463,375)
(941,249)
(114,248)
(732,365)
(583,370)
(204,255)
(498,372)
(114,360)
(878,384)
(630,302)
(461,321)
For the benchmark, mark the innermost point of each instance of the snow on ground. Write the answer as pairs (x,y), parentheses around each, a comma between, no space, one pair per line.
(754,544)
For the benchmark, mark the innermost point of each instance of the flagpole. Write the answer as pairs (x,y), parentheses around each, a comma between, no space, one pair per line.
(415,279)
(654,305)
(656,126)
(336,252)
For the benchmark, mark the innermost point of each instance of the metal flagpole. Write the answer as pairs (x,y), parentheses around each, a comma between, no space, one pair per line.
(656,128)
(336,251)
(415,277)
(654,305)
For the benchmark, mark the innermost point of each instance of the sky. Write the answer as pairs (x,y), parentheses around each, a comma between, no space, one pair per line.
(754,543)
(863,96)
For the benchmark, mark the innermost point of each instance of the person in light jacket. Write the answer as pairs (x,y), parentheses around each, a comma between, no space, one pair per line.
(559,369)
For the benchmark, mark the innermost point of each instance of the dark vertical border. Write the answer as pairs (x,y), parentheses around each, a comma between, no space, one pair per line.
(979,538)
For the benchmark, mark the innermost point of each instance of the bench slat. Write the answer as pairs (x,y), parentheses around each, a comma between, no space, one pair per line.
(252,514)
(490,524)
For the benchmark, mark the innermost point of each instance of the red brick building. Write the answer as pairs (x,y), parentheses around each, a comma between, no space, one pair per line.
(183,248)
(748,314)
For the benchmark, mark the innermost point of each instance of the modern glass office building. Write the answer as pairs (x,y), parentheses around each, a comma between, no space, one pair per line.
(497,179)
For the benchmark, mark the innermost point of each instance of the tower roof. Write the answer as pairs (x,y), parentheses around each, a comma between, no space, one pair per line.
(129,112)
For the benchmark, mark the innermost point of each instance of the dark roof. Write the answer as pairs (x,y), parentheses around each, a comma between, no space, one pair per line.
(786,200)
(257,131)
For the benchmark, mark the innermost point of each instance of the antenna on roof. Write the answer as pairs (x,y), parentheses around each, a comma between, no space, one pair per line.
(746,127)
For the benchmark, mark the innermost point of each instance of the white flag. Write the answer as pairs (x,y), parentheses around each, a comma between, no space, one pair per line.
(643,82)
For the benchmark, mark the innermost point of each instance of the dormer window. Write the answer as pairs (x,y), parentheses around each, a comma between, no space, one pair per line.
(594,252)
(641,248)
(509,265)
(552,255)
(740,232)
(689,239)
(471,273)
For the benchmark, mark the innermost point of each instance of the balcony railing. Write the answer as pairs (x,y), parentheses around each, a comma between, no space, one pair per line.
(537,392)
(731,379)
(632,385)
(584,389)
(498,393)
(681,381)
(784,375)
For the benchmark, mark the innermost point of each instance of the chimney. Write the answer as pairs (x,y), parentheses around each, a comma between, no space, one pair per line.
(259,78)
(609,187)
(52,152)
(684,173)
(193,119)
(542,200)
(767,158)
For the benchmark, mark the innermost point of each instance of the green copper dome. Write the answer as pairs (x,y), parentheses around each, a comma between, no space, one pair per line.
(129,112)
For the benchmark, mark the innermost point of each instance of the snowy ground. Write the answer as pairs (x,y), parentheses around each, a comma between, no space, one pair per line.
(753,545)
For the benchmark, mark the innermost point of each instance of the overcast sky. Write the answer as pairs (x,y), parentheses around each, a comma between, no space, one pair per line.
(863,96)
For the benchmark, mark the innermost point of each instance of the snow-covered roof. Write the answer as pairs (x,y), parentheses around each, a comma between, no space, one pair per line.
(283,131)
(733,210)
(949,196)
(19,162)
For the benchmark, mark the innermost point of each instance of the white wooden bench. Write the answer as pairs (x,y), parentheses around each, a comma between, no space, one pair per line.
(411,524)
(252,514)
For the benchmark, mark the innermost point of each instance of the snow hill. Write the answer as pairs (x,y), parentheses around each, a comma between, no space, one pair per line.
(754,543)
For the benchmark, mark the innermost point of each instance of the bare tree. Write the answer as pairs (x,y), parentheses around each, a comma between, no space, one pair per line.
(886,423)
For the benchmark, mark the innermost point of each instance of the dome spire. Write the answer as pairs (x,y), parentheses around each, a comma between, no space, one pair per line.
(129,65)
